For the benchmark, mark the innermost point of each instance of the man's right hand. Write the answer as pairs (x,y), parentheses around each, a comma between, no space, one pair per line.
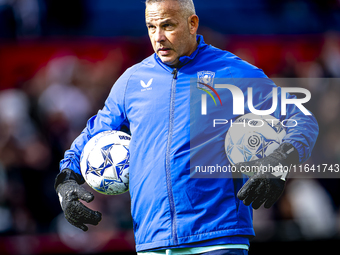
(69,192)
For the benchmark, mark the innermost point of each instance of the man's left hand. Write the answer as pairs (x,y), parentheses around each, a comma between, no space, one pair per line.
(268,182)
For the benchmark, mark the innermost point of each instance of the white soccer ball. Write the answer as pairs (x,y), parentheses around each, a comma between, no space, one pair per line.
(252,137)
(104,162)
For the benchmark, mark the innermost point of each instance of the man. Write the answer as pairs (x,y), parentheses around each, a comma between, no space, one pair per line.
(172,212)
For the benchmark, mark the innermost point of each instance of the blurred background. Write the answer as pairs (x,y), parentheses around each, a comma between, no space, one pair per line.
(58,61)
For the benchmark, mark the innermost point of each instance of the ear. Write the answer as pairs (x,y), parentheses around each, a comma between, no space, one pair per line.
(193,23)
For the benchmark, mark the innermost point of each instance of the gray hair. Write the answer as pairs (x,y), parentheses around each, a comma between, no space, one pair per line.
(187,5)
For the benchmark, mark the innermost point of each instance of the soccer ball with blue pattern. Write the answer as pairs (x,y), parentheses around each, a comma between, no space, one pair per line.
(104,162)
(251,137)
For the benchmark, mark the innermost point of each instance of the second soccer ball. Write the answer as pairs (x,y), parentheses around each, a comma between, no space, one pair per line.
(251,137)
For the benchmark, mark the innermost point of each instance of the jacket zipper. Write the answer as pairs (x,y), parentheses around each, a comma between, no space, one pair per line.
(168,165)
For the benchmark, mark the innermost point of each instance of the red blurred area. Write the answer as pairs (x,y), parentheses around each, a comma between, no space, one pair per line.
(19,61)
(270,52)
(52,244)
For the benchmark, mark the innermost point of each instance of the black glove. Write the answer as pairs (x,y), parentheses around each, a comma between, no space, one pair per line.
(267,184)
(67,186)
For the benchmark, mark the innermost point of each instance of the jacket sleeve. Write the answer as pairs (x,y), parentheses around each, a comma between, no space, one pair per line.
(301,130)
(111,117)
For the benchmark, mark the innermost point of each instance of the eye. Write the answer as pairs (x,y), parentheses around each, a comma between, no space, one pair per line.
(151,27)
(167,26)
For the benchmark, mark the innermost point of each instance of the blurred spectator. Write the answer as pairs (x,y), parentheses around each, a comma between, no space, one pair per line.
(19,18)
(27,13)
(330,54)
(312,209)
(58,100)
(14,106)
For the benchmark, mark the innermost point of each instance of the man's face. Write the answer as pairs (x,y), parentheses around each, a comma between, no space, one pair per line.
(172,34)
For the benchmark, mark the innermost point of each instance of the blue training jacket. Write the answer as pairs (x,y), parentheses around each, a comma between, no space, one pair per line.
(160,105)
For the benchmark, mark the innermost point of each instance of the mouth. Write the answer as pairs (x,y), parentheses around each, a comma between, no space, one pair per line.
(164,51)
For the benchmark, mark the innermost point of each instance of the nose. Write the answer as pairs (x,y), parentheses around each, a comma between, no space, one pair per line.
(159,35)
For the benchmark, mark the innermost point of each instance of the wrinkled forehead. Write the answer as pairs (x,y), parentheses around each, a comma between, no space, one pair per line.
(159,11)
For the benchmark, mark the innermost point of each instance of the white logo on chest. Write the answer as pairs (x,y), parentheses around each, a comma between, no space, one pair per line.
(146,86)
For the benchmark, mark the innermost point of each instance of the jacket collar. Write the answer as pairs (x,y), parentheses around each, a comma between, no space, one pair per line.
(185,59)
